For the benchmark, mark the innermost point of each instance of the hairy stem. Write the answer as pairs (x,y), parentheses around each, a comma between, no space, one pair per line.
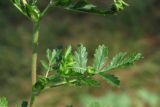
(34,58)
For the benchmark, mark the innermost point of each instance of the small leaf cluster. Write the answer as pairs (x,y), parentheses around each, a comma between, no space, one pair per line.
(65,67)
(30,9)
(118,5)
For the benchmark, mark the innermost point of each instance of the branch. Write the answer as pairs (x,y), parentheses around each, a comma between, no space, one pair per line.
(61,83)
(46,8)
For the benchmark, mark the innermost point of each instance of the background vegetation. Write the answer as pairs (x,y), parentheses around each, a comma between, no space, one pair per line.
(135,29)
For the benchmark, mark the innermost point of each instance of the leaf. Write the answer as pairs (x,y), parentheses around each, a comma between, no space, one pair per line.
(29,10)
(121,60)
(18,5)
(45,65)
(86,6)
(80,58)
(32,12)
(68,51)
(3,102)
(100,57)
(111,79)
(91,82)
(51,56)
(67,62)
(58,56)
(119,5)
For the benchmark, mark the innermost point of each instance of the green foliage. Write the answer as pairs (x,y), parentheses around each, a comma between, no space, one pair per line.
(70,68)
(65,67)
(51,56)
(119,5)
(31,10)
(100,57)
(110,79)
(122,60)
(139,98)
(87,6)
(150,98)
(80,59)
(3,102)
(67,61)
(94,104)
(109,99)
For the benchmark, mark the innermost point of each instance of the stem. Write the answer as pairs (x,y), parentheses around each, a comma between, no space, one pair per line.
(61,83)
(46,9)
(32,101)
(47,73)
(35,52)
(78,68)
(34,59)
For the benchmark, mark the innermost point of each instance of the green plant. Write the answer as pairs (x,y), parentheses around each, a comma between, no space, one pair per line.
(63,67)
(3,102)
(140,98)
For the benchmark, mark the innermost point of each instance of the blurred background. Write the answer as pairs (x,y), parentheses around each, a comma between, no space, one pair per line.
(137,29)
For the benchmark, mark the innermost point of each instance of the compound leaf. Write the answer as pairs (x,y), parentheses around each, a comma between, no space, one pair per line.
(86,6)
